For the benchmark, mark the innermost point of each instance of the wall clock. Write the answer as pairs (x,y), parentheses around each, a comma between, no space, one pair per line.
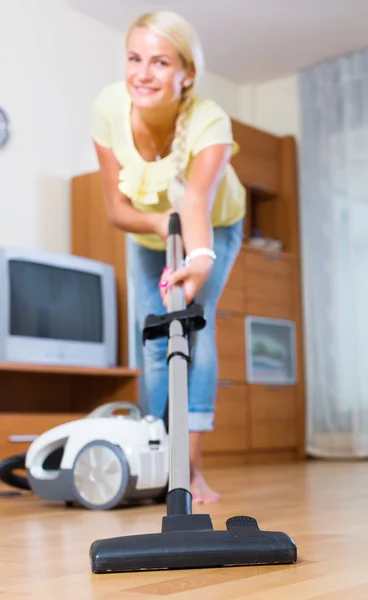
(4,128)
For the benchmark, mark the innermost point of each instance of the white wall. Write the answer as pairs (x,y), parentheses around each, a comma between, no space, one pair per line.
(55,63)
(272,106)
(225,92)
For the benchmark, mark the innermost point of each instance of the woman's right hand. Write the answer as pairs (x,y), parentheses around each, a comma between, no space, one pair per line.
(190,278)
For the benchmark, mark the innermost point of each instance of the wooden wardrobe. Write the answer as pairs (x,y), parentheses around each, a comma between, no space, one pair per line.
(255,421)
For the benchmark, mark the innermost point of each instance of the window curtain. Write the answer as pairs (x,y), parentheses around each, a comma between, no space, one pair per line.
(333,169)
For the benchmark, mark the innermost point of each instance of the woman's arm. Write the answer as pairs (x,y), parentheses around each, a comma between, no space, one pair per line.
(206,173)
(119,208)
(205,176)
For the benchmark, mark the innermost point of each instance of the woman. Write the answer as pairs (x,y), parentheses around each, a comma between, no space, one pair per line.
(161,148)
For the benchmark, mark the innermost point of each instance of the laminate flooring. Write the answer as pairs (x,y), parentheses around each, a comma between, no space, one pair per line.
(323,506)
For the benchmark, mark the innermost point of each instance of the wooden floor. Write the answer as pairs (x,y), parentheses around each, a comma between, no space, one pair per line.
(322,506)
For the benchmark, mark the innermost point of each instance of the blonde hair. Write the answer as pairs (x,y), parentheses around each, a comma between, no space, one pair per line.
(185,39)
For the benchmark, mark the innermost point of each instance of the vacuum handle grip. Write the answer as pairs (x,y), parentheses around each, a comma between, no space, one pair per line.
(107,410)
(174,224)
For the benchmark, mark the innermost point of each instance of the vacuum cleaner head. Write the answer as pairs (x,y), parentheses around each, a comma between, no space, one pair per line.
(190,542)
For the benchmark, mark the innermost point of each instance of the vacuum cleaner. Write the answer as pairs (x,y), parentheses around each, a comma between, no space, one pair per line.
(102,461)
(186,540)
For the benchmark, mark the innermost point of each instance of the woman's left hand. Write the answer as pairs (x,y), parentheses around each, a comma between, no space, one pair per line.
(190,277)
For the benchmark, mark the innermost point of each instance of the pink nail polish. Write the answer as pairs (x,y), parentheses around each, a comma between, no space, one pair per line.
(163,283)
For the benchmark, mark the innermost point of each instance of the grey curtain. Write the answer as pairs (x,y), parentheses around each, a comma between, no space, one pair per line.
(333,168)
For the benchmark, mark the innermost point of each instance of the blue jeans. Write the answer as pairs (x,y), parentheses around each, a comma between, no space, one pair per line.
(145,268)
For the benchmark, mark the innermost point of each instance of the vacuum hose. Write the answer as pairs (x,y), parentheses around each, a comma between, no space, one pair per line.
(7,475)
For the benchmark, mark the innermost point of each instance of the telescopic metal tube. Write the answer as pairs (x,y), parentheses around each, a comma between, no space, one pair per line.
(178,353)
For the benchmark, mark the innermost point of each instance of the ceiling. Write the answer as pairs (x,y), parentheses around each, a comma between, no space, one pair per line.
(249,41)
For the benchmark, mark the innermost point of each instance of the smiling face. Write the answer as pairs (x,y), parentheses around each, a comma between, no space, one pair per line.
(155,73)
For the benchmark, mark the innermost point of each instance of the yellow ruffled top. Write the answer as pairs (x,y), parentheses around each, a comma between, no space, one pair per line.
(146,183)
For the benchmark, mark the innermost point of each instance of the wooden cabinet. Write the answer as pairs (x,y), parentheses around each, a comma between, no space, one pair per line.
(267,284)
(273,419)
(230,346)
(233,297)
(231,427)
(256,422)
(37,397)
(257,163)
(268,281)
(16,429)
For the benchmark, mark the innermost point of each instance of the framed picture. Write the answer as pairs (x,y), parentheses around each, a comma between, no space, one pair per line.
(270,351)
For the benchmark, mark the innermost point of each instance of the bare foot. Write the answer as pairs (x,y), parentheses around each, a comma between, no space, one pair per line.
(201,492)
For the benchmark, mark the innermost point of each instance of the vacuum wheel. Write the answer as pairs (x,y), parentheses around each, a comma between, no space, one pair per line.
(100,475)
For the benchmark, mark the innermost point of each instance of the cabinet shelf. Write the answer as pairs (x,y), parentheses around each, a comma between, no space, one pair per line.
(268,252)
(53,394)
(67,370)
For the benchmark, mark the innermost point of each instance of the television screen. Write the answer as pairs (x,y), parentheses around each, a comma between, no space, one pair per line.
(55,303)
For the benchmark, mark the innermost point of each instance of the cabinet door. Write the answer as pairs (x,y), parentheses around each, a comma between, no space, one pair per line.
(273,422)
(230,433)
(269,285)
(257,163)
(17,425)
(233,296)
(230,344)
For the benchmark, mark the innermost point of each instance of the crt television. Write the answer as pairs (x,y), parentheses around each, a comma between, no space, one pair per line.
(57,309)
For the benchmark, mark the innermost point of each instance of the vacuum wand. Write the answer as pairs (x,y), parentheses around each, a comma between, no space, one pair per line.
(178,357)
